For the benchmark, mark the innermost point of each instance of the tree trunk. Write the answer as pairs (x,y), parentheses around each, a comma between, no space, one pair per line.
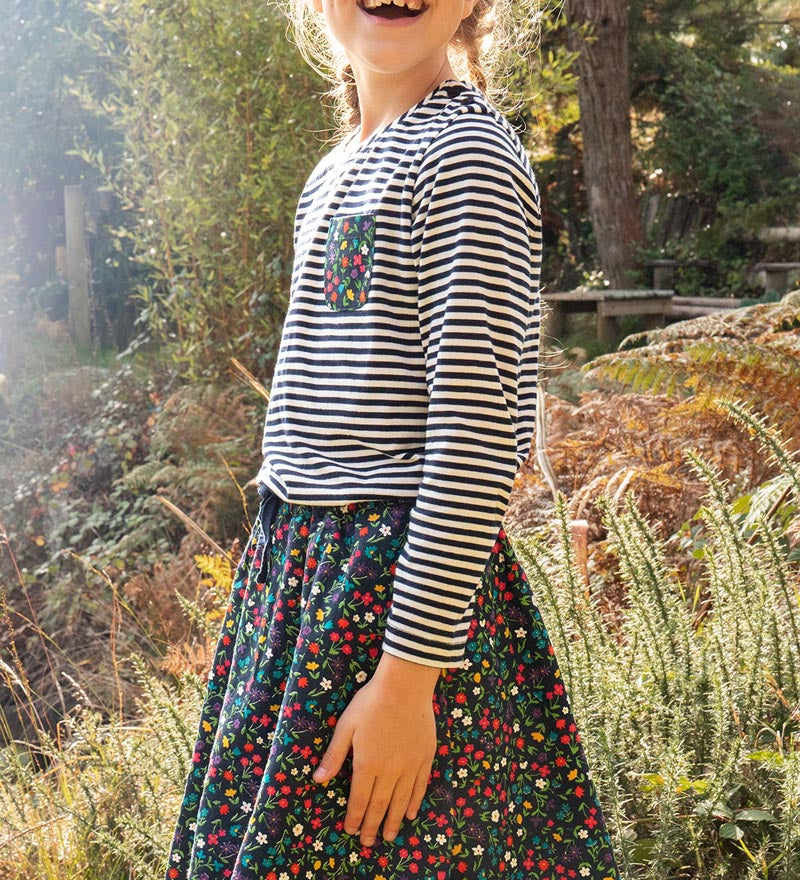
(604,99)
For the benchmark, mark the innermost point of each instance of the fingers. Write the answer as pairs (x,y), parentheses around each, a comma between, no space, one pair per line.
(420,786)
(400,799)
(331,762)
(376,810)
(358,800)
(370,797)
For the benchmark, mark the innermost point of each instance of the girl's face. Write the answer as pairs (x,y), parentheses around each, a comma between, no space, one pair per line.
(399,44)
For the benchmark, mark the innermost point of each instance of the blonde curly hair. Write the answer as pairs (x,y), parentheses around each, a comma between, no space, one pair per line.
(483,45)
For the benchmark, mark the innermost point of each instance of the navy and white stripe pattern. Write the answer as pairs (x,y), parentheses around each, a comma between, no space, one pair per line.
(418,379)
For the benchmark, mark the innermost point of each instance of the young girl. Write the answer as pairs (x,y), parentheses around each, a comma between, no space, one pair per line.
(384,701)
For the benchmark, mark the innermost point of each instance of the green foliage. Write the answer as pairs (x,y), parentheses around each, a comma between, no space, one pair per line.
(41,122)
(715,86)
(218,118)
(688,708)
(80,503)
(728,136)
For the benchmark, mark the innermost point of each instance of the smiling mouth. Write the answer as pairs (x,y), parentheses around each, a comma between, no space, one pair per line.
(393,8)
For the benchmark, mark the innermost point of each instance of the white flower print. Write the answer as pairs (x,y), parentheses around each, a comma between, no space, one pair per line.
(297,830)
(325,684)
(386,530)
(261,838)
(495,815)
(361,675)
(519,632)
(477,850)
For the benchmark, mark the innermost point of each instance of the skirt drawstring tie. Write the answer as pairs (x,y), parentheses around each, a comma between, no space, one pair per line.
(270,502)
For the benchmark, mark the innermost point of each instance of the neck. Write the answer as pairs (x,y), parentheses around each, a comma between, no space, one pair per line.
(383,97)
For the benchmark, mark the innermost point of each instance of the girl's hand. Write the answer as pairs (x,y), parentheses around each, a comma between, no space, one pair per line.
(392,729)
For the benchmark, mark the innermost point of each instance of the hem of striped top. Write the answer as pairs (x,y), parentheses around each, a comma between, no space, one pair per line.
(342,499)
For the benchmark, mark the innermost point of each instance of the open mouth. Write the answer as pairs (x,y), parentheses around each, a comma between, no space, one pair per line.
(393,8)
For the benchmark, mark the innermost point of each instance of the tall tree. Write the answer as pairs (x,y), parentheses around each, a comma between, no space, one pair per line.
(599,34)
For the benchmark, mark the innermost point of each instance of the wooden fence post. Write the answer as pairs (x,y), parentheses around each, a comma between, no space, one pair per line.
(77,265)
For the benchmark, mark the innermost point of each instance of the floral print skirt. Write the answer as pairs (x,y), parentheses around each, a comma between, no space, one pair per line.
(509,795)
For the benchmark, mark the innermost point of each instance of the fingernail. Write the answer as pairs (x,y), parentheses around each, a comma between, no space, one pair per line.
(369,841)
(320,773)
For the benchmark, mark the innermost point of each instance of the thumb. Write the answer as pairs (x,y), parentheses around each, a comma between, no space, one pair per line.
(334,756)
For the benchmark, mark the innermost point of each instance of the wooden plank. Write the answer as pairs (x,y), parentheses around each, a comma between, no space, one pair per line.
(718,302)
(79,312)
(641,293)
(633,307)
(776,267)
(687,311)
(589,295)
(779,233)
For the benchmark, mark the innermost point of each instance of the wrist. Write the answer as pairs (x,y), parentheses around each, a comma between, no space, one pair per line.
(402,674)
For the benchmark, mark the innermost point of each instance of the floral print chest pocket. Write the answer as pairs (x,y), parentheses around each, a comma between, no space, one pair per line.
(348,261)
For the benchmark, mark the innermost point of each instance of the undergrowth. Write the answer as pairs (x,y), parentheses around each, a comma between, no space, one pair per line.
(690,703)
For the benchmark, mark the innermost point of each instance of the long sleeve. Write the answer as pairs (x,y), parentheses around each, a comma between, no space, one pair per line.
(477,230)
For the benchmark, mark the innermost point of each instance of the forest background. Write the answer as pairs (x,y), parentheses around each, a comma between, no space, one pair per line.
(126,465)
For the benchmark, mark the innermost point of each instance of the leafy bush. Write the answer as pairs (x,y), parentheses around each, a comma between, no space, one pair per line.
(690,703)
(218,119)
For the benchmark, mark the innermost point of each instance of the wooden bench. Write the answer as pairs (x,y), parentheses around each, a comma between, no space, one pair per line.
(609,305)
(775,276)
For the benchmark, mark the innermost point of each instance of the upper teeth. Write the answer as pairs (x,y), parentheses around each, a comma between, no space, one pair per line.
(415,5)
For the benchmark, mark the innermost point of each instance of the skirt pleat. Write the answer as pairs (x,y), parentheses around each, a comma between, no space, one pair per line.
(510,794)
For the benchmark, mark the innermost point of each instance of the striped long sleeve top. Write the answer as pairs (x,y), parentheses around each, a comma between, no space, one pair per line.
(408,362)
